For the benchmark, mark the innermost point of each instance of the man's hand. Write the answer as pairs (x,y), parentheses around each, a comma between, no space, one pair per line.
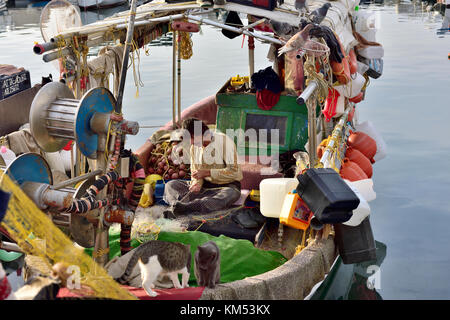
(200,174)
(195,188)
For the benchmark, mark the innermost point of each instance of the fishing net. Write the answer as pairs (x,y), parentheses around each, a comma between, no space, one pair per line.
(36,235)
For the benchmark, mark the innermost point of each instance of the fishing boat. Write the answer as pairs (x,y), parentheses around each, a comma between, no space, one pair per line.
(312,110)
(100,4)
(3,6)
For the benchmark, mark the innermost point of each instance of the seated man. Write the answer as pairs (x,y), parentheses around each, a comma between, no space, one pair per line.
(215,173)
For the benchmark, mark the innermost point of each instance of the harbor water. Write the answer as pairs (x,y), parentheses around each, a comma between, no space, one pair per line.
(409,105)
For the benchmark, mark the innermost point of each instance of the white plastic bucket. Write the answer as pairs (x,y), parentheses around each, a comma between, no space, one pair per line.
(360,213)
(365,188)
(272,193)
(352,88)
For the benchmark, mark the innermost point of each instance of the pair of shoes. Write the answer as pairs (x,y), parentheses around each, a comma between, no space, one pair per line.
(249,218)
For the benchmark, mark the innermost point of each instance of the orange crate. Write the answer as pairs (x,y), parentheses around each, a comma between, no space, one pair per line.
(295,213)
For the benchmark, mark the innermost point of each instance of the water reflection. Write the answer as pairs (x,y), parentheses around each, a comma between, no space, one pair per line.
(90,16)
(353,281)
(21,14)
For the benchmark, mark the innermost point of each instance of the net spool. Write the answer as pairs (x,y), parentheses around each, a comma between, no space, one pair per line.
(56,117)
(32,173)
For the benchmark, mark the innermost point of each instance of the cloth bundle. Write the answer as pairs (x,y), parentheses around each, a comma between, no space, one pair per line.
(268,88)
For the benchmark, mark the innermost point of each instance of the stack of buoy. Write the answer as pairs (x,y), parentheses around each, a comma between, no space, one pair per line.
(357,164)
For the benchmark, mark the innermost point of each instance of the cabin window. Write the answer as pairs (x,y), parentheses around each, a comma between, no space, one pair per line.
(267,122)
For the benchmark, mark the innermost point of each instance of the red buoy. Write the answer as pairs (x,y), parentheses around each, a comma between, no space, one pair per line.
(363,143)
(361,160)
(351,171)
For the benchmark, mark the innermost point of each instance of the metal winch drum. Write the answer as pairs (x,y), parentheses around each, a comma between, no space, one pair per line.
(56,117)
(32,173)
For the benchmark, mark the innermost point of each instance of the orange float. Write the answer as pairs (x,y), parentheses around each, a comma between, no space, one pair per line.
(351,171)
(364,143)
(361,160)
(341,70)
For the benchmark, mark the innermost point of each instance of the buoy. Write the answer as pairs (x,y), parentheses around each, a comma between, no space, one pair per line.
(364,143)
(368,128)
(351,171)
(341,70)
(361,160)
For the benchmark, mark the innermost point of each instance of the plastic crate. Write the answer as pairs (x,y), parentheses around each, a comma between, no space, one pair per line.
(327,195)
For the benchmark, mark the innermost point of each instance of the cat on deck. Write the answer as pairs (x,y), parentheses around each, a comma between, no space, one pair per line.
(157,257)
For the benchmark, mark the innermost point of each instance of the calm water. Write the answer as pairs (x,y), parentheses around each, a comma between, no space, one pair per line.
(409,105)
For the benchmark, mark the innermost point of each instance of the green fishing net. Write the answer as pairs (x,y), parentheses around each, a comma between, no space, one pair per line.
(238,258)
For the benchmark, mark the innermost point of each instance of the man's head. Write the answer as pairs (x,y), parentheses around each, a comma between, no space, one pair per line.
(198,131)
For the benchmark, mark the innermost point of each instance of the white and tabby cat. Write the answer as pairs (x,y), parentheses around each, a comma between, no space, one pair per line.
(160,257)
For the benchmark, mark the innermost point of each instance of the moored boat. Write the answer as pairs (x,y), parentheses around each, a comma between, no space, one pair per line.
(100,4)
(237,105)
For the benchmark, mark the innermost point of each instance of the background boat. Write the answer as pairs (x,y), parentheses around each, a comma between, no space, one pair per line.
(100,4)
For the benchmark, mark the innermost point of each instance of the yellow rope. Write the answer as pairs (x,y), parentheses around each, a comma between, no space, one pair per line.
(185,44)
(36,235)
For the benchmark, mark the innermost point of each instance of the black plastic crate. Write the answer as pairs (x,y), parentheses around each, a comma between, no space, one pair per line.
(15,83)
(355,244)
(327,195)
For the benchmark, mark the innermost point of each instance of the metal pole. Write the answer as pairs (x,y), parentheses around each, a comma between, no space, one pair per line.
(234,29)
(338,130)
(9,246)
(173,80)
(311,106)
(76,180)
(251,56)
(179,76)
(101,233)
(307,93)
(126,53)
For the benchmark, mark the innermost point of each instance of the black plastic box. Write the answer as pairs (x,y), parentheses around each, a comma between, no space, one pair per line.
(355,244)
(15,83)
(327,195)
